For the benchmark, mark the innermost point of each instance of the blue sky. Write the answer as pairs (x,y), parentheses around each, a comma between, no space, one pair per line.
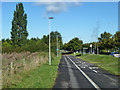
(71,20)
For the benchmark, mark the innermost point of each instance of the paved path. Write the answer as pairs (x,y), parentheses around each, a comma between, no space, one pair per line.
(76,73)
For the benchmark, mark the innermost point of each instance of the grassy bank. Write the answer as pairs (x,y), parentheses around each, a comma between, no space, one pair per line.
(41,77)
(16,66)
(106,62)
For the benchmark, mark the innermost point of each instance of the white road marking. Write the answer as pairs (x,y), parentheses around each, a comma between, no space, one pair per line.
(90,68)
(90,80)
(93,67)
(95,71)
(82,67)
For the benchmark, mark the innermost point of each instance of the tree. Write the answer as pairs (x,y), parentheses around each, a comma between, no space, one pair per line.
(6,47)
(117,39)
(74,45)
(3,40)
(105,41)
(53,40)
(19,32)
(65,47)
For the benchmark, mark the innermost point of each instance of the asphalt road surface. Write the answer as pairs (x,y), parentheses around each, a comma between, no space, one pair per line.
(76,73)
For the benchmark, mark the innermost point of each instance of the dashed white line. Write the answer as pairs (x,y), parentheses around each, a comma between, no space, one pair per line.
(90,80)
(90,68)
(95,71)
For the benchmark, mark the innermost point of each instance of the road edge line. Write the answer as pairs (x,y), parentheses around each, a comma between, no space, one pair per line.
(90,80)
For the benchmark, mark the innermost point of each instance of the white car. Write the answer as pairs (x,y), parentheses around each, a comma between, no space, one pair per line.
(115,54)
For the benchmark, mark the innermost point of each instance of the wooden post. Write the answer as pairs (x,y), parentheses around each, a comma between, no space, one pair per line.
(37,60)
(24,64)
(11,67)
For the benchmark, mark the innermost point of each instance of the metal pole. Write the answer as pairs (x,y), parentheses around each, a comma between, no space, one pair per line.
(49,46)
(57,45)
(113,40)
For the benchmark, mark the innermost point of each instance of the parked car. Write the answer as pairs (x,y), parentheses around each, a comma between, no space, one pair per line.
(115,54)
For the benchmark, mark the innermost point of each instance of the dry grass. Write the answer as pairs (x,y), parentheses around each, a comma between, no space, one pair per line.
(16,65)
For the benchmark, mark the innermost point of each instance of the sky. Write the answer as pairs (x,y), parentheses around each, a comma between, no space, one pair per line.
(85,20)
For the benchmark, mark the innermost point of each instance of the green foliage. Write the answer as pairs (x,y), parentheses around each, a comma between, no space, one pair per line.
(106,42)
(41,77)
(117,39)
(34,44)
(54,36)
(109,42)
(73,45)
(19,32)
(6,47)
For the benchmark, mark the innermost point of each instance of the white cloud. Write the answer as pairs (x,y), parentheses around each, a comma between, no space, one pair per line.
(54,7)
(57,7)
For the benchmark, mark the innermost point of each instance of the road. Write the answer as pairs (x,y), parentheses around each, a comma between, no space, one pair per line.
(76,73)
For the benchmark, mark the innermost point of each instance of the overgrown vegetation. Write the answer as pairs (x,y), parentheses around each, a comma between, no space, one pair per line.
(106,62)
(20,56)
(17,65)
(43,76)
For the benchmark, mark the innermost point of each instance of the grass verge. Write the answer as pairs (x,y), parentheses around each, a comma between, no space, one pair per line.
(42,77)
(106,62)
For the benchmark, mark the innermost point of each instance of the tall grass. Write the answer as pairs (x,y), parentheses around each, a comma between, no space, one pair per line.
(16,65)
(41,77)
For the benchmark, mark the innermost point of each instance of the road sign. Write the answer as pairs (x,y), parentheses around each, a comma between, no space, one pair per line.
(57,49)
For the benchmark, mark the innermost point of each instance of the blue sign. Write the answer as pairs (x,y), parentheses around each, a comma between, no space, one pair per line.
(57,49)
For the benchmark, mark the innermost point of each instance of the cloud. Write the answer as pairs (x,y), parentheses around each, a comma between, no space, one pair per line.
(57,7)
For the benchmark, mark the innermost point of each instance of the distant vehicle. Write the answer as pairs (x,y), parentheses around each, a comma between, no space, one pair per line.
(115,54)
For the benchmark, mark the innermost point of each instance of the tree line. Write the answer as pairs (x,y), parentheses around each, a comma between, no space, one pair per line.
(34,44)
(19,42)
(106,43)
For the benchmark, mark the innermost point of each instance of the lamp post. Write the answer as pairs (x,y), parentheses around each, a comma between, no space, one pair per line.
(49,43)
(59,48)
(57,45)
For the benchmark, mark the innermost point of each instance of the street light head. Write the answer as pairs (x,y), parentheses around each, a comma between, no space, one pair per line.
(51,18)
